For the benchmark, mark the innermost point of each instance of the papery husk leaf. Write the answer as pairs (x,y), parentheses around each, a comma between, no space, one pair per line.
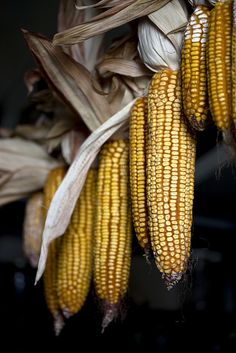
(105,3)
(170,19)
(55,134)
(155,49)
(70,144)
(64,200)
(120,97)
(108,20)
(137,85)
(195,3)
(85,53)
(122,67)
(31,132)
(24,166)
(70,80)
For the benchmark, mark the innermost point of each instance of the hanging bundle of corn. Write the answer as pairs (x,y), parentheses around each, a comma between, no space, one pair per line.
(33,228)
(219,64)
(53,181)
(74,261)
(123,77)
(112,253)
(161,151)
(193,68)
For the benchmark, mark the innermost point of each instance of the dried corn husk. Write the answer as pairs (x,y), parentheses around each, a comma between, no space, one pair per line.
(161,36)
(71,15)
(70,80)
(24,166)
(195,3)
(119,14)
(33,228)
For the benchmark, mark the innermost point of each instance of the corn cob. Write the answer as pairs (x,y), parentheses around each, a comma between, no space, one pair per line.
(138,170)
(33,228)
(234,66)
(170,176)
(193,68)
(53,181)
(112,227)
(75,258)
(219,63)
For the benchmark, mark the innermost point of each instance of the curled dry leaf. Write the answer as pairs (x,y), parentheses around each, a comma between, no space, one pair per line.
(33,228)
(31,132)
(105,3)
(155,49)
(119,69)
(70,144)
(24,166)
(55,135)
(70,80)
(171,19)
(64,200)
(123,67)
(71,15)
(161,36)
(109,19)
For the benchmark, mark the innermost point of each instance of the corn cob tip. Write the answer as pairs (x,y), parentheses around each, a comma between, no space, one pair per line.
(147,255)
(171,279)
(58,324)
(197,124)
(110,313)
(66,313)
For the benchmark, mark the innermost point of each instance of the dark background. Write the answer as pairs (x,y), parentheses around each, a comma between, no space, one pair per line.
(198,315)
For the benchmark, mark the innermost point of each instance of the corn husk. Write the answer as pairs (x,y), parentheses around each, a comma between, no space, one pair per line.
(33,228)
(195,3)
(70,15)
(24,166)
(161,36)
(70,80)
(119,14)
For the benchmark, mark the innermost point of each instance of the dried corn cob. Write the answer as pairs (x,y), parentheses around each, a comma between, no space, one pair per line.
(75,258)
(138,170)
(170,176)
(234,66)
(193,68)
(113,227)
(33,228)
(219,63)
(53,181)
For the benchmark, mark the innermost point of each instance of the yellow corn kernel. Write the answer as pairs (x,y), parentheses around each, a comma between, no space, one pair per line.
(112,254)
(75,257)
(193,68)
(33,228)
(171,152)
(219,63)
(53,181)
(137,167)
